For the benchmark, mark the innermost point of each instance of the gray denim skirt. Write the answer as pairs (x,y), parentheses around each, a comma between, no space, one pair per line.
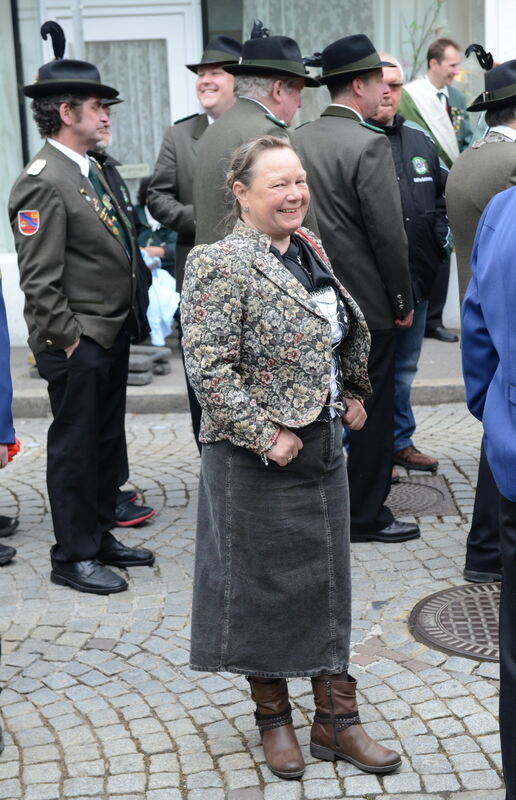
(271,590)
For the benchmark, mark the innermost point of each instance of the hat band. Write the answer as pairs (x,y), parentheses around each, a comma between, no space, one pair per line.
(371,61)
(86,81)
(278,64)
(217,56)
(498,94)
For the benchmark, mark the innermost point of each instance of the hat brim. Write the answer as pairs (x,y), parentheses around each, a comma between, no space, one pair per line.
(88,88)
(221,63)
(485,105)
(259,69)
(351,73)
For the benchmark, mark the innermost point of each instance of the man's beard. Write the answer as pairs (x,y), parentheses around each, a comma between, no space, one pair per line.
(102,145)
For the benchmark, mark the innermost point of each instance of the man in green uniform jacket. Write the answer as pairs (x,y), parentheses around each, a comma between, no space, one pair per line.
(351,176)
(76,256)
(270,77)
(169,197)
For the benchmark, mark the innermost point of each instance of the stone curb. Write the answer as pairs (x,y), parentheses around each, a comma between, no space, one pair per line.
(152,402)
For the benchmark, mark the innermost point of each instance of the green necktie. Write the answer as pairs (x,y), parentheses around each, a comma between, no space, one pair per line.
(107,209)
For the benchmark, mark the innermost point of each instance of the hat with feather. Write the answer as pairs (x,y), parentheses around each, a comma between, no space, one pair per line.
(64,74)
(271,55)
(499,81)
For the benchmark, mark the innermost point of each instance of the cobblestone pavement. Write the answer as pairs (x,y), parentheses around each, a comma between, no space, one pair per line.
(99,700)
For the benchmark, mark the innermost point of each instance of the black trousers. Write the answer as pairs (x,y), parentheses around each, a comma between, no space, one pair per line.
(87,396)
(483,545)
(195,408)
(508,645)
(371,449)
(434,315)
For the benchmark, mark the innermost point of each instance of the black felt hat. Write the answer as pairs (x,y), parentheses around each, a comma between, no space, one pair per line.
(64,74)
(349,56)
(272,55)
(500,88)
(219,50)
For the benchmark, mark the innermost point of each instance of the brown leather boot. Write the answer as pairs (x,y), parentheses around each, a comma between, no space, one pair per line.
(337,731)
(274,720)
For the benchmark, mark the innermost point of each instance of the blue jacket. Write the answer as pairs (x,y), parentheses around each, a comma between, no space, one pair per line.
(6,390)
(489,337)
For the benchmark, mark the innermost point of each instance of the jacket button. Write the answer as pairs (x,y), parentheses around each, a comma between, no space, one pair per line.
(407,219)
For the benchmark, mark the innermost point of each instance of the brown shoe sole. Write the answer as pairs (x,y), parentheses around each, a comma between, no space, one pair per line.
(325,754)
(421,467)
(287,775)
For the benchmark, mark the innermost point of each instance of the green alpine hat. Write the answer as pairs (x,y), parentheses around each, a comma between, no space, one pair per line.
(500,88)
(272,55)
(219,50)
(351,55)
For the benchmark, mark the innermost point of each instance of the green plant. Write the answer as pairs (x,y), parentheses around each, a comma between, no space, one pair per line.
(420,35)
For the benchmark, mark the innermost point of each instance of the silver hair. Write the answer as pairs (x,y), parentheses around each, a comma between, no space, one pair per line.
(257,86)
(393,60)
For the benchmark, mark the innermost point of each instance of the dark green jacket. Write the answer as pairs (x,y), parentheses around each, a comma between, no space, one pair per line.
(75,273)
(357,203)
(212,202)
(170,194)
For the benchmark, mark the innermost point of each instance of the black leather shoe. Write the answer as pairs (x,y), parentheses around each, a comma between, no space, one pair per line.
(395,532)
(117,554)
(8,525)
(476,576)
(126,496)
(128,515)
(441,333)
(87,576)
(6,554)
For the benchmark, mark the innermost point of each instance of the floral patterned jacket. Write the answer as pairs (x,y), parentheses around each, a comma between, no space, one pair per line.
(257,349)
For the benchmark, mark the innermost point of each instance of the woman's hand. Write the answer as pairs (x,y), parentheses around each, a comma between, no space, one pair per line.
(355,416)
(285,448)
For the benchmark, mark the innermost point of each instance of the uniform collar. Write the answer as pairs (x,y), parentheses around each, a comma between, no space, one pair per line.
(82,162)
(505,130)
(353,110)
(252,100)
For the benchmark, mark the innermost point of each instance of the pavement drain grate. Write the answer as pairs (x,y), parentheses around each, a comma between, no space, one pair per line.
(422,495)
(462,620)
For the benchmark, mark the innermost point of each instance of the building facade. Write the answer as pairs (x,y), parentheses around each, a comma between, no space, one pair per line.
(142,47)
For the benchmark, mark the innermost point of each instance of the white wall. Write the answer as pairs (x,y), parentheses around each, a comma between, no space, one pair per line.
(13,297)
(500,21)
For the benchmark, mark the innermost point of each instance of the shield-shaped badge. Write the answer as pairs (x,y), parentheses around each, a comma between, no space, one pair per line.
(28,222)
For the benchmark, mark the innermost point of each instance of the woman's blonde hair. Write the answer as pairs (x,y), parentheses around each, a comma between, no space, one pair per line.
(242,165)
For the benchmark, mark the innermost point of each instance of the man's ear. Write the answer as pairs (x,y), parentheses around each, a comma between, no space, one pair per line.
(65,113)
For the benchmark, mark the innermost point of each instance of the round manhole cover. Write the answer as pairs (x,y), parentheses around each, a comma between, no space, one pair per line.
(422,495)
(462,620)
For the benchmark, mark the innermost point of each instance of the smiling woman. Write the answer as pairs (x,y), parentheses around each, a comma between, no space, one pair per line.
(277,200)
(276,351)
